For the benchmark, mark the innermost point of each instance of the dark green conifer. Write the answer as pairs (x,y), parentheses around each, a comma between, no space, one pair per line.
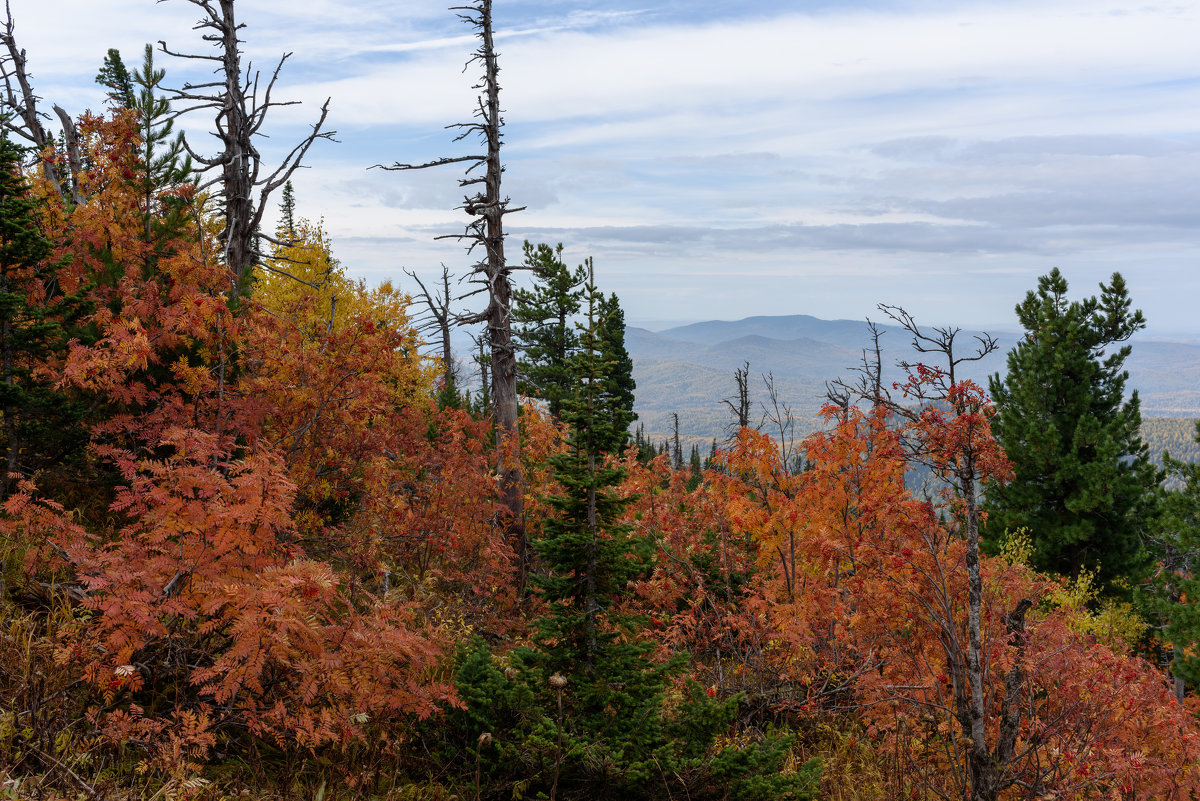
(590,557)
(618,363)
(287,214)
(695,469)
(1083,484)
(544,326)
(115,76)
(41,427)
(1168,597)
(607,726)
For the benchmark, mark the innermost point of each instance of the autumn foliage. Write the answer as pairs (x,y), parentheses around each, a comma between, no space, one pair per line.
(834,592)
(280,552)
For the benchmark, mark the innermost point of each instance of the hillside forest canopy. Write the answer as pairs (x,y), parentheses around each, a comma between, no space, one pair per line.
(256,542)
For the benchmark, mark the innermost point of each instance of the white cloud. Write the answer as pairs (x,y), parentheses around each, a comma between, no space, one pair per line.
(913,141)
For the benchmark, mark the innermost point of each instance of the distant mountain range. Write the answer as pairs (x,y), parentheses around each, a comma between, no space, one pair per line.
(689,369)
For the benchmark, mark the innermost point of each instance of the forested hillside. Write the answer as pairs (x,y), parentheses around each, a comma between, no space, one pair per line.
(689,370)
(255,544)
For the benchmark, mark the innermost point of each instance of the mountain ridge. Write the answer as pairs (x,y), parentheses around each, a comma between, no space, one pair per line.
(689,369)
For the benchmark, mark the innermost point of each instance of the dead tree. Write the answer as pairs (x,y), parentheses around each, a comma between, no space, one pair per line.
(487,206)
(22,117)
(677,463)
(777,415)
(483,360)
(739,406)
(241,111)
(438,319)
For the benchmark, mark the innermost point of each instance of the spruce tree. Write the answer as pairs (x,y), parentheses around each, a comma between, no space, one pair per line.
(286,230)
(41,427)
(589,555)
(611,340)
(609,730)
(1083,485)
(544,326)
(114,75)
(589,559)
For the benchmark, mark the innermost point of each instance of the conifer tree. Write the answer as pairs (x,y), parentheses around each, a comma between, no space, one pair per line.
(1174,543)
(590,558)
(40,426)
(612,734)
(287,214)
(695,469)
(611,338)
(115,76)
(163,163)
(1083,484)
(544,326)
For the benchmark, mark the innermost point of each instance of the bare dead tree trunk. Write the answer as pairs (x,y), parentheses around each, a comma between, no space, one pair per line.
(780,417)
(485,383)
(240,114)
(677,461)
(24,119)
(487,207)
(439,320)
(739,405)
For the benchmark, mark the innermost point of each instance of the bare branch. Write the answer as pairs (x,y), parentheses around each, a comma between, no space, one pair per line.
(20,102)
(240,116)
(437,163)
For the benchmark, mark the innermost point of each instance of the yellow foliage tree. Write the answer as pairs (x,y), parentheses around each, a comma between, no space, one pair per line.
(301,281)
(340,364)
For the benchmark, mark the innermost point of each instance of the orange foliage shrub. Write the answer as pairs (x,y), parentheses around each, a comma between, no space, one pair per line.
(289,510)
(856,602)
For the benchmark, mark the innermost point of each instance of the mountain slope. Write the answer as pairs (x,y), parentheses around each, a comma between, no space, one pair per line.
(689,369)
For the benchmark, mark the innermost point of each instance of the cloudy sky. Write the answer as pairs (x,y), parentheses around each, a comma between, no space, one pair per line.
(724,158)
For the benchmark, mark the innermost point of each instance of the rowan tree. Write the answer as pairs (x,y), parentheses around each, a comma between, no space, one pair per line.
(218,598)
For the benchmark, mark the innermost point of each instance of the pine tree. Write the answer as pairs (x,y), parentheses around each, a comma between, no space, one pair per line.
(1083,485)
(115,76)
(164,163)
(544,326)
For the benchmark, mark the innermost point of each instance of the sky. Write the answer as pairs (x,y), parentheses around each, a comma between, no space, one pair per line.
(722,158)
